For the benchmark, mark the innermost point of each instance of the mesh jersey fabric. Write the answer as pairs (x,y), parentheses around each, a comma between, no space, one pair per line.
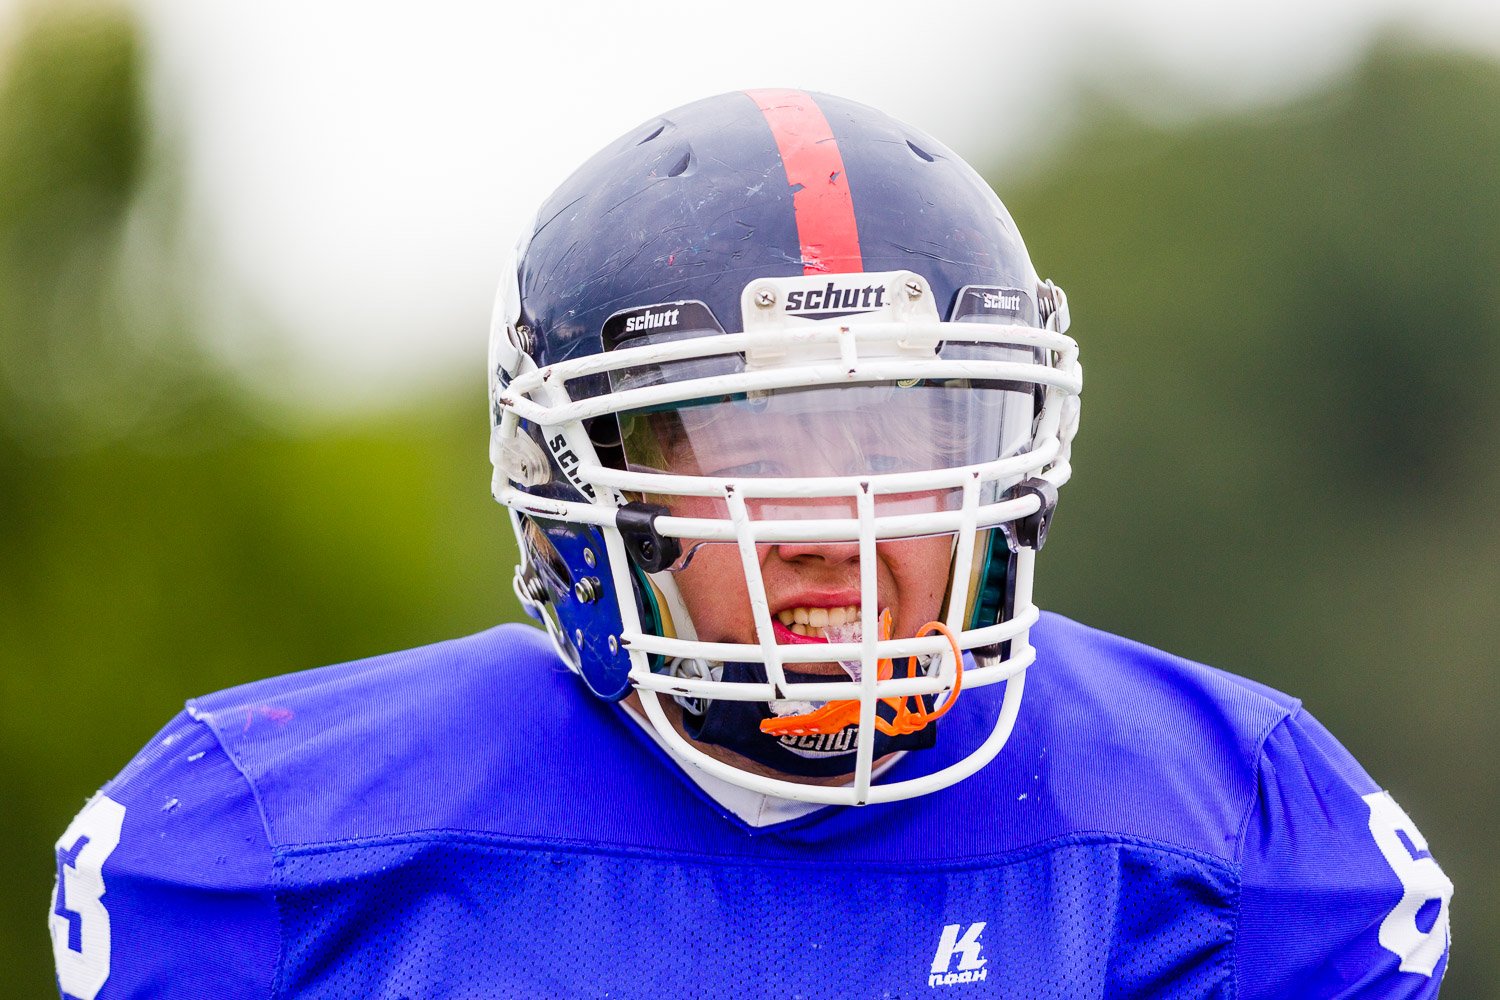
(463,820)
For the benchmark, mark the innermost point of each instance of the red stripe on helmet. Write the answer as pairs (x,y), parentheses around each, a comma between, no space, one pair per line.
(815,170)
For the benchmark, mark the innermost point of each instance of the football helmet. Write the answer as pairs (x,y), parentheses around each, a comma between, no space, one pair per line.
(784,333)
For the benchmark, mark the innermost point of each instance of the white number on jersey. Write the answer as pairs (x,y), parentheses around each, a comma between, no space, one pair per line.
(1422,881)
(79,921)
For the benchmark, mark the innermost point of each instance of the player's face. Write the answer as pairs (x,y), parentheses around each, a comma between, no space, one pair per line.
(812,582)
(808,584)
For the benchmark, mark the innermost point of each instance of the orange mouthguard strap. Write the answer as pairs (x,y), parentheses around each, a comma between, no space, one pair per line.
(958,675)
(837,716)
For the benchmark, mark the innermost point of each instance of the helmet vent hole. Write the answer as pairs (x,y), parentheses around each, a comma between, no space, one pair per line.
(921,153)
(680,167)
(653,135)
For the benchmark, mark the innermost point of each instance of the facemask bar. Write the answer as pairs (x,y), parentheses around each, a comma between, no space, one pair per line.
(868,691)
(748,534)
(850,795)
(528,395)
(540,396)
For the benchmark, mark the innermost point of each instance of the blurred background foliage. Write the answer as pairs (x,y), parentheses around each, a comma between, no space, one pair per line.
(1287,468)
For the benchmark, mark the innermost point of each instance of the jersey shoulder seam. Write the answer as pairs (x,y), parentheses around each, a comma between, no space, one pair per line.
(204,719)
(1291,712)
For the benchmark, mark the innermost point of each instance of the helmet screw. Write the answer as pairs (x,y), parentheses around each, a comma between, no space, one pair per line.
(588,557)
(587,590)
(913,289)
(614,644)
(535,589)
(578,637)
(765,298)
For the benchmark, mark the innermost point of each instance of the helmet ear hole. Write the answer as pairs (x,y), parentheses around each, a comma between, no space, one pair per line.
(551,569)
(604,434)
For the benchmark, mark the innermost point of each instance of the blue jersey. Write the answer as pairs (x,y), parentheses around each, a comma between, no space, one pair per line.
(463,820)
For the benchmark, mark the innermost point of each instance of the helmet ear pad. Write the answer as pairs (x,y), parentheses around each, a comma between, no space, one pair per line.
(579,582)
(573,565)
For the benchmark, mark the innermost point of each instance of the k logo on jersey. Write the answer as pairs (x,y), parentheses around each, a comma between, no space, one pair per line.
(970,966)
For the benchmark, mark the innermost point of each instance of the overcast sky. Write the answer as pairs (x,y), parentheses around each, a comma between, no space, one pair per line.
(356,171)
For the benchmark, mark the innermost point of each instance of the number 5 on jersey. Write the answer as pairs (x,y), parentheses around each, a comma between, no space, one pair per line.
(79,921)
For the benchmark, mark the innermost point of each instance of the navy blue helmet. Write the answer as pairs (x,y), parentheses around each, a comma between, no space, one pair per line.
(780,407)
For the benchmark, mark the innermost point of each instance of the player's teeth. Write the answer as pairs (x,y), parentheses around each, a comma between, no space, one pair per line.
(801,629)
(817,618)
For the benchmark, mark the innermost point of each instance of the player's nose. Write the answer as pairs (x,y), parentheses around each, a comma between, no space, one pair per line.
(831,553)
(813,509)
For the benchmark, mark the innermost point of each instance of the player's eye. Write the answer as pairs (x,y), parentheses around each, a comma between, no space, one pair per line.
(881,464)
(763,469)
